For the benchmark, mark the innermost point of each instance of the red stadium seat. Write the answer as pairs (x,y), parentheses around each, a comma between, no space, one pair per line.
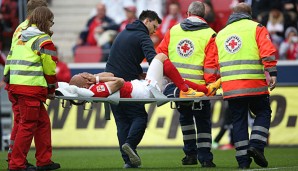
(88,54)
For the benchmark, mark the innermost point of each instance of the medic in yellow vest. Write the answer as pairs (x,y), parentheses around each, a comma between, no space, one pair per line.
(245,52)
(31,5)
(190,46)
(31,79)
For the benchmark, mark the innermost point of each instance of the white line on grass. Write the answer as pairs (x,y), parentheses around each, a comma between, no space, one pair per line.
(275,168)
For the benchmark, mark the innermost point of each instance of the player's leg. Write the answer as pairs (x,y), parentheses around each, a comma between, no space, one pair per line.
(161,64)
(171,72)
(155,72)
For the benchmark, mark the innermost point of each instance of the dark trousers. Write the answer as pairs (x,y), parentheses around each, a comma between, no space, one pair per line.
(196,127)
(226,125)
(131,120)
(260,106)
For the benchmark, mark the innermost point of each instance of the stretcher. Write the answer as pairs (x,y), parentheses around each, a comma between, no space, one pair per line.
(115,99)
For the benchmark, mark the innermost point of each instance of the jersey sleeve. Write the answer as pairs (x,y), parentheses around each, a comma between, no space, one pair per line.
(100,90)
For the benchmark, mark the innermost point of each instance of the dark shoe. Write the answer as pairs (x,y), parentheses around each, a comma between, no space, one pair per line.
(245,166)
(208,164)
(133,157)
(190,160)
(28,169)
(52,166)
(128,166)
(258,156)
(30,166)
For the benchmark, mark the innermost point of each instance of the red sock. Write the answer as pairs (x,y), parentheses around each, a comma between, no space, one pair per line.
(198,87)
(171,71)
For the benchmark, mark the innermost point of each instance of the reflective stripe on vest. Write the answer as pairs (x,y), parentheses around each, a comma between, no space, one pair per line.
(187,52)
(25,67)
(246,90)
(239,59)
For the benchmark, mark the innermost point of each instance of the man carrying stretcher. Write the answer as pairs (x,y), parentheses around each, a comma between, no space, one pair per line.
(160,72)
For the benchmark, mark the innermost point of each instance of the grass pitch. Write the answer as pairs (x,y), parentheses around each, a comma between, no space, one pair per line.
(159,159)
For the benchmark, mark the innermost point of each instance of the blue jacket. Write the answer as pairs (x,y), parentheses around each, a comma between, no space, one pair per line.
(128,51)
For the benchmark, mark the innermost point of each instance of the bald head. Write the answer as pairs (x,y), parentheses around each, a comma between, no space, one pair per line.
(242,8)
(78,81)
(197,8)
(101,10)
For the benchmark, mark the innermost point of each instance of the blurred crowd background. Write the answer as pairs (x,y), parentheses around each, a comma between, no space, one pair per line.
(84,30)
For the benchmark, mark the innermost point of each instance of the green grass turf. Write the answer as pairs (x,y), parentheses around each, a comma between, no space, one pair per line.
(159,159)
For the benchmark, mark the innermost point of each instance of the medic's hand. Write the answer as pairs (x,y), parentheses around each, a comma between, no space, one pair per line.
(272,83)
(51,96)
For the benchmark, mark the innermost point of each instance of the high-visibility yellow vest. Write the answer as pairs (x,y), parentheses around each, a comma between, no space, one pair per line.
(16,35)
(25,66)
(238,53)
(187,52)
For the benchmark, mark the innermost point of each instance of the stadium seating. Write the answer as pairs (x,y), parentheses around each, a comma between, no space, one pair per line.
(88,54)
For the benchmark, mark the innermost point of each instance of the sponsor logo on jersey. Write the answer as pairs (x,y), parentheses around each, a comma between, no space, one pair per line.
(185,48)
(100,88)
(233,44)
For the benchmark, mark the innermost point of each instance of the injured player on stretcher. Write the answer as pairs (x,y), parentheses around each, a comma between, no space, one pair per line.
(160,73)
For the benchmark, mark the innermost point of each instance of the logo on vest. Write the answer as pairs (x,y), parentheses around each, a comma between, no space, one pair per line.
(233,44)
(185,48)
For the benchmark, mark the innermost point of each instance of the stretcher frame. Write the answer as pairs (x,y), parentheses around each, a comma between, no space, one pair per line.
(115,99)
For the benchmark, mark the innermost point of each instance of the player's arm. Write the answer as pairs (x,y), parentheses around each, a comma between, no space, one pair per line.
(114,83)
(96,78)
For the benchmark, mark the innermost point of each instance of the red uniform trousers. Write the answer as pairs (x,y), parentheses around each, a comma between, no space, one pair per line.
(16,119)
(34,122)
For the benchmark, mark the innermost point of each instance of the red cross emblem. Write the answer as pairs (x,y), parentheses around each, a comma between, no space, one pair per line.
(185,48)
(233,44)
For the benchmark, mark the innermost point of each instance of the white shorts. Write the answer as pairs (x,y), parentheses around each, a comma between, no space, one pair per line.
(140,90)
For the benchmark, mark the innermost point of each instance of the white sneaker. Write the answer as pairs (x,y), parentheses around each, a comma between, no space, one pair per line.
(133,157)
